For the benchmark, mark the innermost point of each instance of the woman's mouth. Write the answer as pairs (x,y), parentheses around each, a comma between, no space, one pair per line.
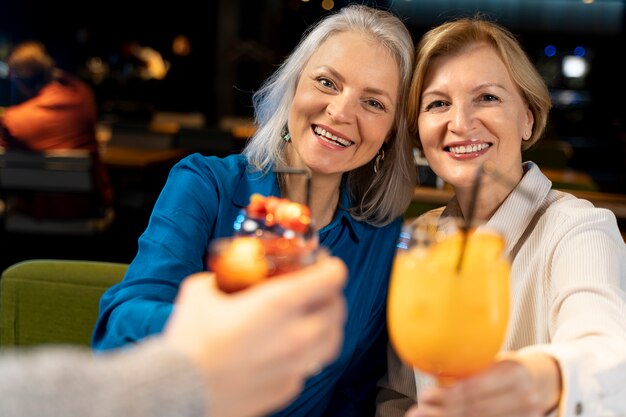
(467,149)
(329,137)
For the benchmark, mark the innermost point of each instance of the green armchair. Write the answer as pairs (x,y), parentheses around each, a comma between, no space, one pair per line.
(46,301)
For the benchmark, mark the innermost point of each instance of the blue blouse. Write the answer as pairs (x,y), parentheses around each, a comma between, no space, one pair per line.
(199,202)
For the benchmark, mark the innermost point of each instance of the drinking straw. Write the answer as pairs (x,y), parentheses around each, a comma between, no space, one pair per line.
(489,169)
(307,185)
(467,224)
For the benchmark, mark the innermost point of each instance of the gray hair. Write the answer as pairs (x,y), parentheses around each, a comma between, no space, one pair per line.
(378,198)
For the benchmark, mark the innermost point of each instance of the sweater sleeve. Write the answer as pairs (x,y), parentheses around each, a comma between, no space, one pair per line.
(587,314)
(150,379)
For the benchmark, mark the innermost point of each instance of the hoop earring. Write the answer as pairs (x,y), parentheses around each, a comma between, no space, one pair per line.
(285,134)
(380,156)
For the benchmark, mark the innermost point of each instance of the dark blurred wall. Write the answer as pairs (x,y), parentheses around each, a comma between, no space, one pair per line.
(236,44)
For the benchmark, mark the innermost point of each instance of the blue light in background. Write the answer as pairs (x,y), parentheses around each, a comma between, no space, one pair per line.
(580,51)
(550,50)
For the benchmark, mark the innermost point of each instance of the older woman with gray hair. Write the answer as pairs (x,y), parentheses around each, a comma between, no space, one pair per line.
(336,109)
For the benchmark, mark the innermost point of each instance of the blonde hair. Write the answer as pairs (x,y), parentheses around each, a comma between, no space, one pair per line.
(378,198)
(452,37)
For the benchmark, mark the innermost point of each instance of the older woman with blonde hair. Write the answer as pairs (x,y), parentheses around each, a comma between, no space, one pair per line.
(477,99)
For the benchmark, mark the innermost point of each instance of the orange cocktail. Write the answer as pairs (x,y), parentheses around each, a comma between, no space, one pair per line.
(448,315)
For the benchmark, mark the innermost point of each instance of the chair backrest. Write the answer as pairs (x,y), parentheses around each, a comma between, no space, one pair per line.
(59,176)
(47,301)
(66,170)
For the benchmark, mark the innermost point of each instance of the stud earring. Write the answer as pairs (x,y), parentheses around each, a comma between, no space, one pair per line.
(285,134)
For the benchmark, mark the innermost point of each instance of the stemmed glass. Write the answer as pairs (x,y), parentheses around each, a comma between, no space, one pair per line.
(272,236)
(448,302)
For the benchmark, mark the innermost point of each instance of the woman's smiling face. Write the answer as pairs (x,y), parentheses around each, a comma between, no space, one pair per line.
(345,104)
(471,112)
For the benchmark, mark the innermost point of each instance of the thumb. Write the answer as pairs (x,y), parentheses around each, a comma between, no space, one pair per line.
(201,281)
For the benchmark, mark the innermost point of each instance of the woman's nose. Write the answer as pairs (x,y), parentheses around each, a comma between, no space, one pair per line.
(341,107)
(461,118)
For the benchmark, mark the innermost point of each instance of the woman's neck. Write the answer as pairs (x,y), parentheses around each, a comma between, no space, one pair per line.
(324,195)
(324,192)
(494,188)
(491,195)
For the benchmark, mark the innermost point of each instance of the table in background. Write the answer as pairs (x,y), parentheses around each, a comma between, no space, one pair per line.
(614,202)
(117,157)
(570,179)
(426,198)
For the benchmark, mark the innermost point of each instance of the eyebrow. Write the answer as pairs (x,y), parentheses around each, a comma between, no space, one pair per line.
(496,85)
(370,90)
(477,88)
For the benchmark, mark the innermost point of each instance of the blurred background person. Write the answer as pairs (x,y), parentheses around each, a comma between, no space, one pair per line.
(51,109)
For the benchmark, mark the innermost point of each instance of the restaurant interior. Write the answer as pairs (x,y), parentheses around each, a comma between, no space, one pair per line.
(178,79)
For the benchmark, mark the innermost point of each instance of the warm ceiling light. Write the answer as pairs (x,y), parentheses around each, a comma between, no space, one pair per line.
(181,45)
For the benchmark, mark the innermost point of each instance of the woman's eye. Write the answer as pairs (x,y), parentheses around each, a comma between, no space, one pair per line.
(326,83)
(375,103)
(435,104)
(489,97)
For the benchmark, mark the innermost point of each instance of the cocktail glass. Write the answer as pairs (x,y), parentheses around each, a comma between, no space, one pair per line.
(448,303)
(242,261)
(272,236)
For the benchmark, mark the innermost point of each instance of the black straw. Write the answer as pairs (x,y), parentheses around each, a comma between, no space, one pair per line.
(307,185)
(489,169)
(469,219)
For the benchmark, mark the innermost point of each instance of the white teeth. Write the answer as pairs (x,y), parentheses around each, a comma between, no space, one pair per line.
(323,133)
(469,148)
